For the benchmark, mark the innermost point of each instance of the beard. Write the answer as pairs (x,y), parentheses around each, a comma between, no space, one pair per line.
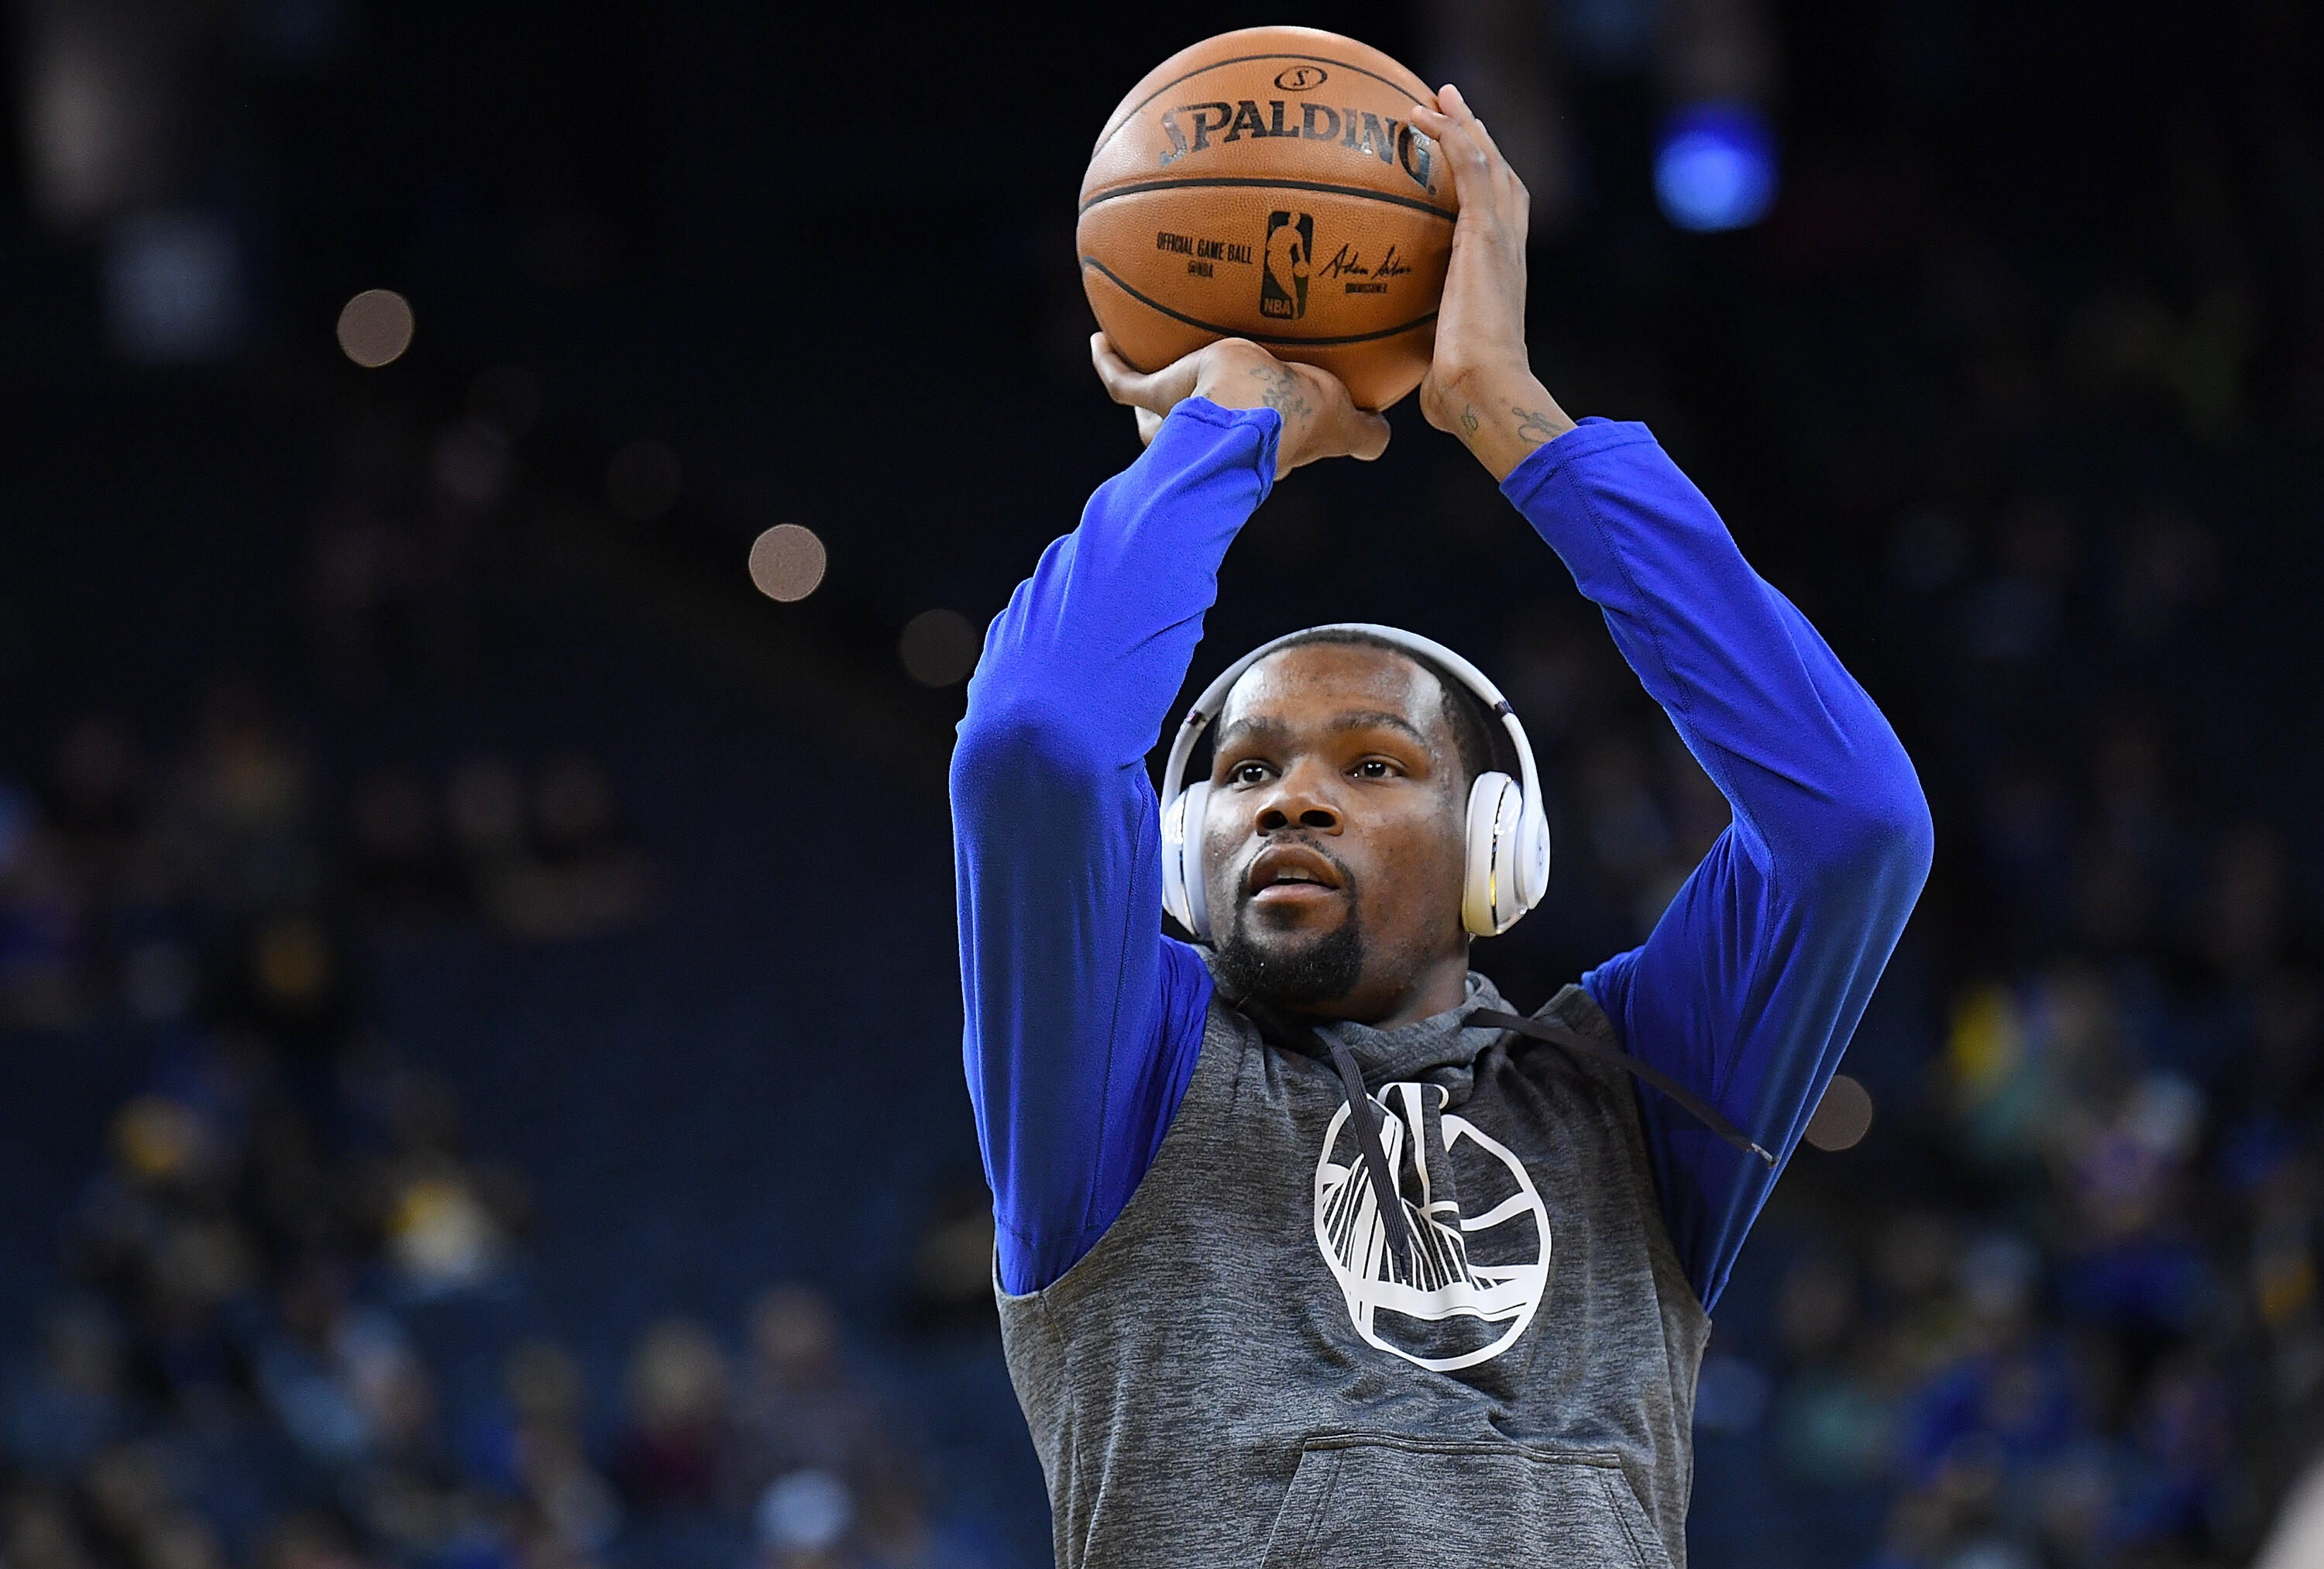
(1291,970)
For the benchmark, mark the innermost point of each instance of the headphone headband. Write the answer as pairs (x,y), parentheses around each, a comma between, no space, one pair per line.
(1214,695)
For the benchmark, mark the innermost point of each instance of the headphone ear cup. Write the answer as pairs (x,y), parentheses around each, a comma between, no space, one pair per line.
(1533,862)
(1492,895)
(1184,894)
(1174,843)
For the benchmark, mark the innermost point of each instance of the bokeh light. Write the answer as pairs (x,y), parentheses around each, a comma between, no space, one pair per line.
(1715,168)
(804,1514)
(174,288)
(643,479)
(507,398)
(470,462)
(787,562)
(1843,1117)
(375,327)
(938,648)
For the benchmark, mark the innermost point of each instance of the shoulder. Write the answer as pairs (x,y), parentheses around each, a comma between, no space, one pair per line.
(1572,1088)
(1575,1009)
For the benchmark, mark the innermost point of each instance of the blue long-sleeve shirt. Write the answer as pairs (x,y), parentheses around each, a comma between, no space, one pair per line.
(1083,1021)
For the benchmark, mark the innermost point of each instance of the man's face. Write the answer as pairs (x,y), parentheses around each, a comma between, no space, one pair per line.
(1333,846)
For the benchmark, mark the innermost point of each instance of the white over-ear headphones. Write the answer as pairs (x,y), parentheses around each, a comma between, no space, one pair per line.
(1508,829)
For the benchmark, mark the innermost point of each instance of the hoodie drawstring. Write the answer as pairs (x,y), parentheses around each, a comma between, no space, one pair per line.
(1368,1139)
(1689,1102)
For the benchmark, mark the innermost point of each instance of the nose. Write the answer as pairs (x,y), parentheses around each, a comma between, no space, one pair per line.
(1298,802)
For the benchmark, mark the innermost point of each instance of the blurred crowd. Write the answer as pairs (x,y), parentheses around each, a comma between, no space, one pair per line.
(275,1299)
(2085,1329)
(2063,1309)
(209,887)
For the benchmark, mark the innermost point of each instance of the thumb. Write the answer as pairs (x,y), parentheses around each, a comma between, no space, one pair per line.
(1369,437)
(1157,391)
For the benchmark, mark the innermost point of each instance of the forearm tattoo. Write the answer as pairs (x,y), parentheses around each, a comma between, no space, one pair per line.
(1468,423)
(1535,425)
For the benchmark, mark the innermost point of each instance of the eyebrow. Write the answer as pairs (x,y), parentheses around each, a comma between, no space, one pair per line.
(1243,730)
(1376,719)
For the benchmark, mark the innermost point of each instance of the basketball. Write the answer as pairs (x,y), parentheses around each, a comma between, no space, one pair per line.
(1267,184)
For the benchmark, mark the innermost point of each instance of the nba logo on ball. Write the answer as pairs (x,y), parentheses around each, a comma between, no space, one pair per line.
(1283,281)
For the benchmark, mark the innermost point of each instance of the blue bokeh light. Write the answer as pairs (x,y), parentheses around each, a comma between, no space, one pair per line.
(1715,167)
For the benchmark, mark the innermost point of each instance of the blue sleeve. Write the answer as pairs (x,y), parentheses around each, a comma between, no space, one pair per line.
(1083,1021)
(1752,979)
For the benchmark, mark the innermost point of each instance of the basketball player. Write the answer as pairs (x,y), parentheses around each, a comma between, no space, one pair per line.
(1309,1251)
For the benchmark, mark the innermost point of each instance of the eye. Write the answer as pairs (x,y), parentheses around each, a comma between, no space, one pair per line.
(1376,768)
(1248,773)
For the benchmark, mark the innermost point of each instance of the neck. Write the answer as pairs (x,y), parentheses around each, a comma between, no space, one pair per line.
(1437,986)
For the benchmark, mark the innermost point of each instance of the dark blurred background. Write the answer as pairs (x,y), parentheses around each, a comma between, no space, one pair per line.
(476,976)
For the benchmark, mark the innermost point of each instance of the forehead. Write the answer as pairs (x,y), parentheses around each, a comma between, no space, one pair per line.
(1313,682)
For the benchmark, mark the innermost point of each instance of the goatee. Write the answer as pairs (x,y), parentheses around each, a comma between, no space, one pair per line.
(1291,971)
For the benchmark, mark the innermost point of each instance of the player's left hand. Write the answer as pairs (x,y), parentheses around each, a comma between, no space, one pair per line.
(1480,385)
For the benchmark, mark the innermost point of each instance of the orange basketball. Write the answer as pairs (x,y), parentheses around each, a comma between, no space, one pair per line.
(1268,184)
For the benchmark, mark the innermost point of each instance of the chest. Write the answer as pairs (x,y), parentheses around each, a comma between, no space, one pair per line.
(1519,1187)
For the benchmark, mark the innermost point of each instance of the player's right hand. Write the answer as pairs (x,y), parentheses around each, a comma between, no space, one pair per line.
(1320,419)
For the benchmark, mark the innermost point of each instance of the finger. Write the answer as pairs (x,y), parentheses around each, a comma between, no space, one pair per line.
(1462,112)
(1149,422)
(1492,149)
(1472,169)
(1361,432)
(1465,115)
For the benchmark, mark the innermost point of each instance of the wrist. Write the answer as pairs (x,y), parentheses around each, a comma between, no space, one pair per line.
(1488,380)
(1501,412)
(1511,391)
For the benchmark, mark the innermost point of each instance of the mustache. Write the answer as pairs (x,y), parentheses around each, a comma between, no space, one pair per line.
(1244,895)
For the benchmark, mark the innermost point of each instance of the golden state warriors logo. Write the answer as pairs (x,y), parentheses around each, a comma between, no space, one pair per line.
(1480,1262)
(1283,281)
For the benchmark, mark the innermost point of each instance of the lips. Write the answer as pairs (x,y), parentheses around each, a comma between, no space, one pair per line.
(1289,872)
